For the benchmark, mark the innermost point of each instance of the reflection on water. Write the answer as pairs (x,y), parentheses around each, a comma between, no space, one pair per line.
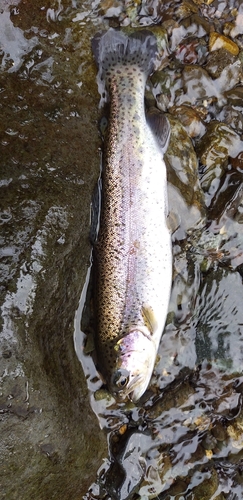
(90,371)
(183,440)
(220,319)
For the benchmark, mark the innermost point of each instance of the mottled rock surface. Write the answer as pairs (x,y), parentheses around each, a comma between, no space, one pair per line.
(51,445)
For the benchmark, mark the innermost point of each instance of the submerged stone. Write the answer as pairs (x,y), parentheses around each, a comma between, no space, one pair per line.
(207,487)
(213,149)
(190,119)
(185,195)
(162,89)
(237,28)
(200,2)
(185,9)
(235,96)
(218,41)
(232,117)
(218,60)
(197,83)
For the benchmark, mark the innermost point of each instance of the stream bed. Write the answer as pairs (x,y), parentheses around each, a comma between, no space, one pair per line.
(62,434)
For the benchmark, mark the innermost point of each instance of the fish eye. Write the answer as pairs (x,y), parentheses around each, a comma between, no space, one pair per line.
(121,379)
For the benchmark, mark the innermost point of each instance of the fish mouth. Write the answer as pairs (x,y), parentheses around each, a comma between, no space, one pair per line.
(130,391)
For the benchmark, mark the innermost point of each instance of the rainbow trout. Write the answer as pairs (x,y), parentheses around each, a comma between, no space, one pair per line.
(133,253)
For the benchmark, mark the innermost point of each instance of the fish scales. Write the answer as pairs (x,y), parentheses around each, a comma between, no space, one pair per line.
(133,253)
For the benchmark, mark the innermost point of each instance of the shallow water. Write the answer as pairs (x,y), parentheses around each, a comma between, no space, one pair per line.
(183,440)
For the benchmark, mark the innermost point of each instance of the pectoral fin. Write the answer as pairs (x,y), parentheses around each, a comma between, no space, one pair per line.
(149,318)
(160,127)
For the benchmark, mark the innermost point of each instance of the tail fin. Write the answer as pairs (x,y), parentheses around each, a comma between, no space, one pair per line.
(115,47)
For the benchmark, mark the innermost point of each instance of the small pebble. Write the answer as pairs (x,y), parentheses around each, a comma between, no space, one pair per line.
(217,41)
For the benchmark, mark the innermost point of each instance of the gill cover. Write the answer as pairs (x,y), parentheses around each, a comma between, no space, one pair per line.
(135,362)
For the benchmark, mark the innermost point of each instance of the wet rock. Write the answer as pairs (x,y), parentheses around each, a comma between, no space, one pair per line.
(162,89)
(162,44)
(178,488)
(153,482)
(230,76)
(214,148)
(234,431)
(219,432)
(102,394)
(190,119)
(188,53)
(228,404)
(198,85)
(226,202)
(175,397)
(163,101)
(169,25)
(51,444)
(237,28)
(40,415)
(232,117)
(183,31)
(201,21)
(237,162)
(109,8)
(131,13)
(185,196)
(218,60)
(209,441)
(200,2)
(127,470)
(207,487)
(202,423)
(185,9)
(217,41)
(182,303)
(228,26)
(234,96)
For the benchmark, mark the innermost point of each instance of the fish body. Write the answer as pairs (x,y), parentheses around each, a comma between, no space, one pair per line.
(133,252)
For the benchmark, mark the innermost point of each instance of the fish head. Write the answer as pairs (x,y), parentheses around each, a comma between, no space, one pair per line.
(136,353)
